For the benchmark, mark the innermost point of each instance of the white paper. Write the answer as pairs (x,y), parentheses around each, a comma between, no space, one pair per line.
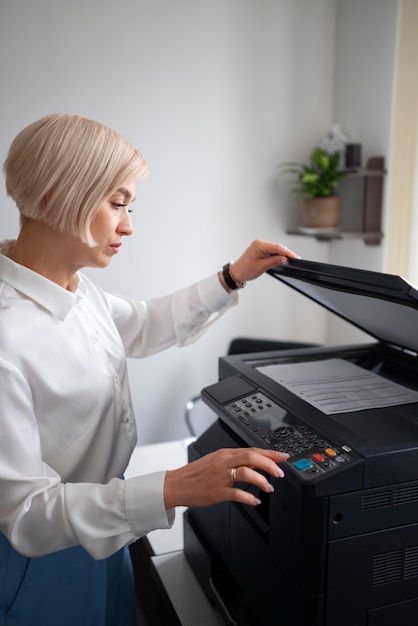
(338,386)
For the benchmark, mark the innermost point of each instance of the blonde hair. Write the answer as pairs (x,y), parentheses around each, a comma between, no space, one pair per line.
(60,168)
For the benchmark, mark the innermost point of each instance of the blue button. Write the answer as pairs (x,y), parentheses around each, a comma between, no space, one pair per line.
(302,464)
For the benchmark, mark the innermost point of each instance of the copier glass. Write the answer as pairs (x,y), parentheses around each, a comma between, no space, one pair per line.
(337,541)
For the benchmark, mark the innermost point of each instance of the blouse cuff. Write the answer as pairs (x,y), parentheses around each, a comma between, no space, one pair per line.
(214,296)
(144,503)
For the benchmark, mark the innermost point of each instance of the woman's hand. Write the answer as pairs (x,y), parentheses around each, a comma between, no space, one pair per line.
(258,258)
(211,479)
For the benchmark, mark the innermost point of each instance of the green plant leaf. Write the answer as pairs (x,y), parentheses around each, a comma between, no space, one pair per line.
(318,178)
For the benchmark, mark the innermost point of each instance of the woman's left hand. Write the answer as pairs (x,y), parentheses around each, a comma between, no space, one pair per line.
(258,258)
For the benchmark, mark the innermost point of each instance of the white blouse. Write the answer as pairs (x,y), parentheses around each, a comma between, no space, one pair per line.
(66,425)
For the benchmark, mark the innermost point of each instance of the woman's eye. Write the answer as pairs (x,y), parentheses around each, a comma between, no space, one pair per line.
(119,205)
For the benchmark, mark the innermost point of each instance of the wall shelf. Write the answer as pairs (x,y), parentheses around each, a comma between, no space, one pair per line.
(369,237)
(361,192)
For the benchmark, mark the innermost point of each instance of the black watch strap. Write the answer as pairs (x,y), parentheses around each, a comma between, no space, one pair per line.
(230,281)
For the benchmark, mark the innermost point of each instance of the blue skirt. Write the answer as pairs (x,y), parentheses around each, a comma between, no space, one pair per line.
(66,588)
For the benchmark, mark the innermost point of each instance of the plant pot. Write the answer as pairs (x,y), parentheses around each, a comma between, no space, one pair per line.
(321,212)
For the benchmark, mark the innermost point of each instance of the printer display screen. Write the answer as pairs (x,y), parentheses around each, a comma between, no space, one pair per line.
(270,422)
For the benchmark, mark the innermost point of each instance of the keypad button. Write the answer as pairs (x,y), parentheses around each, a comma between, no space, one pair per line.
(330,452)
(302,464)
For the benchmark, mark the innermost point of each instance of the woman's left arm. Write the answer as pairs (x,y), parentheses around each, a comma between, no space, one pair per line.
(180,318)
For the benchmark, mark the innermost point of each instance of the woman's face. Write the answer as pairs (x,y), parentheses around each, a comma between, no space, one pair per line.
(111,222)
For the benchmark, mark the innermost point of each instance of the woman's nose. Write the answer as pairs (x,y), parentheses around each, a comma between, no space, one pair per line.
(125,225)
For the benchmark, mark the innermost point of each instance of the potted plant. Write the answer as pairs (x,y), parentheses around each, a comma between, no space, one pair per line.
(317,184)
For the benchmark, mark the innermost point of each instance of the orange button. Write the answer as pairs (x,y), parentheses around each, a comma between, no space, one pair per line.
(318,457)
(330,452)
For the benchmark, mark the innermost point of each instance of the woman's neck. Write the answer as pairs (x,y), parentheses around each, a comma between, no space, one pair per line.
(46,251)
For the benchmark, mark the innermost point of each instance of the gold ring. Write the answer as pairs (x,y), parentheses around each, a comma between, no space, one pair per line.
(233,475)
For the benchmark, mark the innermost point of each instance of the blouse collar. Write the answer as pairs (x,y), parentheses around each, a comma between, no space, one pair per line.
(45,292)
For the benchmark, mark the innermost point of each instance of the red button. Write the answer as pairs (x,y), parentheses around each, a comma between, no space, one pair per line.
(318,457)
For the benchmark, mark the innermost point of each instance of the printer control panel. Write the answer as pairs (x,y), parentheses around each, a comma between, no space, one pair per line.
(269,425)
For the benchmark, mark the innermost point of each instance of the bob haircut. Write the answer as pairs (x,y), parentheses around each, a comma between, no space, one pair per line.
(61,168)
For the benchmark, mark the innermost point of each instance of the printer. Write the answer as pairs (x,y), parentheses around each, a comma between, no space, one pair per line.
(337,540)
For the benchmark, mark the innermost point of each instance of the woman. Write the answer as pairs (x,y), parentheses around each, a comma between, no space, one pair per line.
(66,424)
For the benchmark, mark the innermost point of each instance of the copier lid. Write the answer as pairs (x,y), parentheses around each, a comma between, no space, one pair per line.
(383,305)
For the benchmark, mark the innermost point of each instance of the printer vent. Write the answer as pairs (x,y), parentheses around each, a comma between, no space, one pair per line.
(394,566)
(405,494)
(387,568)
(411,562)
(379,499)
(376,500)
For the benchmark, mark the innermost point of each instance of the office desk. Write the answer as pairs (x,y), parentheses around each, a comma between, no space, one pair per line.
(166,586)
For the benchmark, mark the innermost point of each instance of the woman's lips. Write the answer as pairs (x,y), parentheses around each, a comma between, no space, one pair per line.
(115,247)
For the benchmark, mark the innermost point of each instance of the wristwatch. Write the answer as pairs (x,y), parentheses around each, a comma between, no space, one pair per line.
(229,279)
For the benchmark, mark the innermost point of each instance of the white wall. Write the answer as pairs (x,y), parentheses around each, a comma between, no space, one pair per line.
(363,97)
(215,94)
